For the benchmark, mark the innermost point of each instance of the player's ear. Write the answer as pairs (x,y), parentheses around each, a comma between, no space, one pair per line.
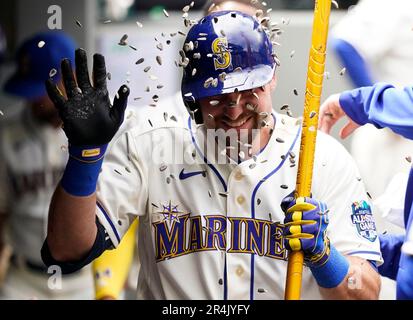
(273,83)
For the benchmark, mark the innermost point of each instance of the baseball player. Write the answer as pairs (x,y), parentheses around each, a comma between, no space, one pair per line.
(31,164)
(215,216)
(383,106)
(107,284)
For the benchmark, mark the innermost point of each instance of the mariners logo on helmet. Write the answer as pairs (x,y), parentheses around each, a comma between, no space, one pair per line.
(223,55)
(227,41)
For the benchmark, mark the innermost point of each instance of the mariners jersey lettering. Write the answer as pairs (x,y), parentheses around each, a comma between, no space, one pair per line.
(216,234)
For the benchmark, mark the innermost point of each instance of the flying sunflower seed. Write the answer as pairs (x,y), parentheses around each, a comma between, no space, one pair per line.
(159,86)
(137,98)
(147,69)
(127,169)
(186,8)
(117,172)
(159,46)
(252,165)
(123,40)
(295,92)
(208,82)
(335,4)
(256,95)
(189,46)
(409,159)
(163,167)
(214,102)
(52,73)
(368,194)
(342,71)
(107,21)
(173,118)
(140,61)
(263,114)
(185,15)
(210,116)
(285,107)
(250,107)
(41,44)
(312,114)
(182,33)
(159,60)
(238,69)
(78,24)
(1,113)
(223,194)
(241,155)
(209,193)
(189,94)
(201,39)
(193,72)
(133,48)
(140,25)
(168,180)
(259,13)
(147,89)
(155,98)
(223,33)
(258,201)
(153,77)
(222,76)
(150,122)
(279,140)
(165,13)
(292,53)
(152,105)
(261,290)
(197,55)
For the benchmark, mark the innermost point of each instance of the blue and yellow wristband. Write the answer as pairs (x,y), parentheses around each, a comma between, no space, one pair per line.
(82,170)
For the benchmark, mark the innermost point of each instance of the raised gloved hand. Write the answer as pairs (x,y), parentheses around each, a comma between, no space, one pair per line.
(305,228)
(89,120)
(87,114)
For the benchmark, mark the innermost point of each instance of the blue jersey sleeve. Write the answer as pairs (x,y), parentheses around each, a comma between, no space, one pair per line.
(390,247)
(356,66)
(381,105)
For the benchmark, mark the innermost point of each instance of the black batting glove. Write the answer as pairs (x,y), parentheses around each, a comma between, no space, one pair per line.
(87,114)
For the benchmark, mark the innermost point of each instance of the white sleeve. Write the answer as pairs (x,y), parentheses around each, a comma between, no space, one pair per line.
(122,188)
(372,25)
(337,183)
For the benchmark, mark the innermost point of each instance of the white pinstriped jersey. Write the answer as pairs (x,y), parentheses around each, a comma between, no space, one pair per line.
(209,231)
(31,165)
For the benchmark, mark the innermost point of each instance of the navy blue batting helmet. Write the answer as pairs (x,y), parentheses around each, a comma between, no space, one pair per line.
(225,52)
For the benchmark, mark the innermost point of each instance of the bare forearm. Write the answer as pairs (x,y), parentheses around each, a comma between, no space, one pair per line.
(362,282)
(71,228)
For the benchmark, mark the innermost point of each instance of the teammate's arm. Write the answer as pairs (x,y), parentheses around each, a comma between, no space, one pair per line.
(381,105)
(90,122)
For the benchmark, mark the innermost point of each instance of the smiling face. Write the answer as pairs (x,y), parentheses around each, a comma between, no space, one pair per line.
(242,111)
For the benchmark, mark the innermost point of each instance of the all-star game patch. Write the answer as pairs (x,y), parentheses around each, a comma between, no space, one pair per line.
(362,218)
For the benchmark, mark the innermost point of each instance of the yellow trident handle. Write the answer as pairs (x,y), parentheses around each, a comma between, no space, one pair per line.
(315,74)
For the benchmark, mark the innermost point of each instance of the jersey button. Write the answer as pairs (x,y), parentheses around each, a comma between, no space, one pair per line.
(239,176)
(239,271)
(240,199)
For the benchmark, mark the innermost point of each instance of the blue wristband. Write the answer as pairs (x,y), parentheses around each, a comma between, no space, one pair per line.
(331,273)
(82,170)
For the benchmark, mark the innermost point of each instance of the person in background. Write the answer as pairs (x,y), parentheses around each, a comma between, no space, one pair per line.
(32,160)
